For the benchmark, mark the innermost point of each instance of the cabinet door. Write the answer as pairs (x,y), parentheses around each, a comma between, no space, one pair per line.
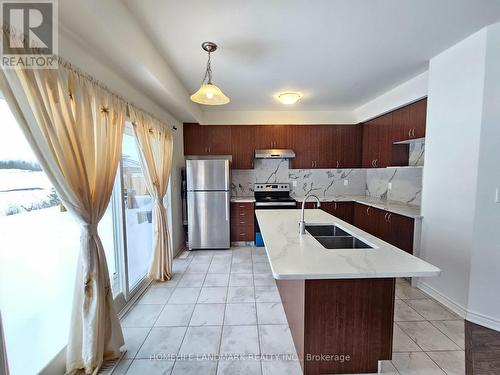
(418,114)
(384,141)
(401,231)
(350,146)
(370,143)
(243,146)
(326,146)
(342,210)
(272,136)
(401,127)
(282,135)
(368,218)
(195,139)
(218,138)
(303,137)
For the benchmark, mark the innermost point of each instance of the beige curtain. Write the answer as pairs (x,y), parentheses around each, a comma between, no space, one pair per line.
(154,141)
(4,365)
(75,128)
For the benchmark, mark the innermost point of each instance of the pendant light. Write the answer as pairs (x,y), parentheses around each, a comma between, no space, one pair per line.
(209,94)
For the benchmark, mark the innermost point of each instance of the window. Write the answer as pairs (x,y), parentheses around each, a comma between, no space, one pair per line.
(39,248)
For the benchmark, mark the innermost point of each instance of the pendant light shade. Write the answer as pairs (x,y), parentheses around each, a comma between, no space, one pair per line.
(209,94)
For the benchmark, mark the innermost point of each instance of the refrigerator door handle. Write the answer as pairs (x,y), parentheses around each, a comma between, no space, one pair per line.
(227,209)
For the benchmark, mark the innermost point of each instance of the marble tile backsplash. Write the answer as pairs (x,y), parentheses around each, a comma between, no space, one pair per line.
(406,182)
(416,154)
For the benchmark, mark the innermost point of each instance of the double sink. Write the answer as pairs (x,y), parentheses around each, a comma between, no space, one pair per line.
(332,237)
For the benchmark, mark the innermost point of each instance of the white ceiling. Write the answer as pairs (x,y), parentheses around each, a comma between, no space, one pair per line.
(339,53)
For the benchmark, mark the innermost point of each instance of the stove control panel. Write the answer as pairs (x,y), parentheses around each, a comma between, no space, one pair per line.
(271,187)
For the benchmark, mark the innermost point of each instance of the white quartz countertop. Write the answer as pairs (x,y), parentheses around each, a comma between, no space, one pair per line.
(242,199)
(390,206)
(296,256)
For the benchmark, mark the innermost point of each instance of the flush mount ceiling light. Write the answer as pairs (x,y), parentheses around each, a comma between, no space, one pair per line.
(209,94)
(289,98)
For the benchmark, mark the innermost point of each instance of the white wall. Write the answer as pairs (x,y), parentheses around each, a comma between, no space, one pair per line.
(451,157)
(484,298)
(403,94)
(461,221)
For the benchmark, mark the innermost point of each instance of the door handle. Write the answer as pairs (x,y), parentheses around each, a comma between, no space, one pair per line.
(227,209)
(409,133)
(368,211)
(385,216)
(335,206)
(413,132)
(338,164)
(376,162)
(389,218)
(373,163)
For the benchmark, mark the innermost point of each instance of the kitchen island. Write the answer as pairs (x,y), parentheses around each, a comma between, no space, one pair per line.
(339,302)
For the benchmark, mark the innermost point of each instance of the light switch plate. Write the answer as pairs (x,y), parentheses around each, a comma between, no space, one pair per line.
(346,182)
(294,183)
(389,185)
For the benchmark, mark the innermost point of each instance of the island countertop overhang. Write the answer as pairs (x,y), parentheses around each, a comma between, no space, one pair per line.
(295,256)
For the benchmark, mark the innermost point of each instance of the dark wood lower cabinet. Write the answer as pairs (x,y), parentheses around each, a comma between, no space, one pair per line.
(242,222)
(482,350)
(340,326)
(398,230)
(342,210)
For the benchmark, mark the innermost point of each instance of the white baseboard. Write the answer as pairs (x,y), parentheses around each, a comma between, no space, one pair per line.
(483,320)
(441,298)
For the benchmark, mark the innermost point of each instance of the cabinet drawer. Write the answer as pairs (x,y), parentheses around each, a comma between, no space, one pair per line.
(242,221)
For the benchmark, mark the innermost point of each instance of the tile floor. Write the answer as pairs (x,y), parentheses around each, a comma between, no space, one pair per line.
(226,303)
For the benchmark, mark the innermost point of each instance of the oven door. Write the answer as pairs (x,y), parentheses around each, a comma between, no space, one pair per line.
(269,206)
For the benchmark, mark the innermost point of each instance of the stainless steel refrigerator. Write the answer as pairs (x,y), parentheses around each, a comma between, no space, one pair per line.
(208,195)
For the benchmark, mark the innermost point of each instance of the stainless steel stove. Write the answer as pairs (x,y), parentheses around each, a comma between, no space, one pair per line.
(271,197)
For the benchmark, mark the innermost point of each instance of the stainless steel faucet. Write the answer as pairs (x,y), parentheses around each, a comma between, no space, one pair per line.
(302,223)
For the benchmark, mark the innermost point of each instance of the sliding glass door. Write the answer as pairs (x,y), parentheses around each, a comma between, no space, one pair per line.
(137,209)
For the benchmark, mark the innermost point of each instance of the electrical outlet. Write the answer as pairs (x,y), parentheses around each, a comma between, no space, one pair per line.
(346,182)
(294,183)
(389,185)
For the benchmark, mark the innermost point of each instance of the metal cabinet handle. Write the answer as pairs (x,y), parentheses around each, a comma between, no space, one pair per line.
(409,133)
(335,206)
(375,162)
(389,218)
(368,210)
(385,216)
(338,164)
(413,133)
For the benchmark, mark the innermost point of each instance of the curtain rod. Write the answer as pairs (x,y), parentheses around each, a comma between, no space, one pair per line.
(10,31)
(68,65)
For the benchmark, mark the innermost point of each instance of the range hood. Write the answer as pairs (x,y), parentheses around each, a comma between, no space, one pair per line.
(274,154)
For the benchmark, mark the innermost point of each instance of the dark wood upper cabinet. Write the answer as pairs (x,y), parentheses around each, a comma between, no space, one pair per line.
(326,146)
(377,142)
(207,139)
(418,115)
(349,146)
(273,136)
(303,139)
(243,146)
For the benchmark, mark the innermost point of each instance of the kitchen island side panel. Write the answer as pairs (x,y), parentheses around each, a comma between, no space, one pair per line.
(349,321)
